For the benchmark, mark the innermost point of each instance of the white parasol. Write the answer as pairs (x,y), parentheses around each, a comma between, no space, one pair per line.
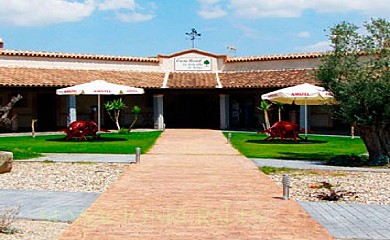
(99,87)
(303,94)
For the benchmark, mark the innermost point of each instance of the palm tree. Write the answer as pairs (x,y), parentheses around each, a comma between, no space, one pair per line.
(136,110)
(265,106)
(113,109)
(280,108)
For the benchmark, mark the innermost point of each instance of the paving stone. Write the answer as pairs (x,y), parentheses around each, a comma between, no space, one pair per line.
(170,208)
(193,185)
(47,205)
(356,225)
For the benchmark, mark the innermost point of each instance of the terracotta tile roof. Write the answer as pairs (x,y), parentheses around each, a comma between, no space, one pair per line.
(76,56)
(39,77)
(228,59)
(276,57)
(265,79)
(192,80)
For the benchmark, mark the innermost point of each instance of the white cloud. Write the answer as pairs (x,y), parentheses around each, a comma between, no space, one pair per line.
(43,12)
(117,4)
(266,8)
(134,17)
(304,34)
(316,47)
(294,8)
(210,9)
(128,10)
(49,12)
(372,7)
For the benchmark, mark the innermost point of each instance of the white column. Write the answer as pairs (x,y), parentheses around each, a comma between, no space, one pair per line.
(224,111)
(158,109)
(71,105)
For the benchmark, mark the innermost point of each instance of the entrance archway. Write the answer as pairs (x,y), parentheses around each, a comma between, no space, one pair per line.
(191,110)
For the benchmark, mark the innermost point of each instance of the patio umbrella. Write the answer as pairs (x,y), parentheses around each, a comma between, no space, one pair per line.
(303,94)
(99,87)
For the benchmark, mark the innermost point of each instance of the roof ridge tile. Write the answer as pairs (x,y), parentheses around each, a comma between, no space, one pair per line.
(277,57)
(76,55)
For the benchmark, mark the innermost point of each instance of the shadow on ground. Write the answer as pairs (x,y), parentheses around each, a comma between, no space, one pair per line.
(285,142)
(101,139)
(304,157)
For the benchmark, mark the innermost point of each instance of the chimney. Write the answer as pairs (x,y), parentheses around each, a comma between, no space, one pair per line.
(1,43)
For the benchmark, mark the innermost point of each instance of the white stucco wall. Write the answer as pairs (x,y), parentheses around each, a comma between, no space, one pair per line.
(83,64)
(272,64)
(166,63)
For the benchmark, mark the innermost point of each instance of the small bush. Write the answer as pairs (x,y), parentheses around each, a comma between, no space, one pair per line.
(123,131)
(382,160)
(331,195)
(7,216)
(348,161)
(10,230)
(357,161)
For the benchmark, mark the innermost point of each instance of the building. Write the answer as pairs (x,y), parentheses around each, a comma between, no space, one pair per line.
(188,89)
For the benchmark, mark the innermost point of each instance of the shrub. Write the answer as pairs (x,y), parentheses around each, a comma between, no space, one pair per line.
(7,216)
(331,195)
(348,160)
(382,160)
(123,131)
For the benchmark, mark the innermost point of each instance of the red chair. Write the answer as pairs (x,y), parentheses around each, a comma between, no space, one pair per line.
(81,129)
(283,129)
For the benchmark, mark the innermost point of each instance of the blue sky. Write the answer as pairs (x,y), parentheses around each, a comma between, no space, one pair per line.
(144,28)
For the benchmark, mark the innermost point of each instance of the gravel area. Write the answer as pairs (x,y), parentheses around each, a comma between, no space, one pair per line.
(357,187)
(35,230)
(75,177)
(363,187)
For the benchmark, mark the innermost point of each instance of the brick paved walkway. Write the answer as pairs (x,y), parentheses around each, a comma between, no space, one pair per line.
(192,185)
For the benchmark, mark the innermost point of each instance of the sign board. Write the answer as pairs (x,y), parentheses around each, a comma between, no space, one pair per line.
(193,64)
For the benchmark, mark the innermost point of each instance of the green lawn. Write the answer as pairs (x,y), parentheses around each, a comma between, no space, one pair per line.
(252,145)
(28,147)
